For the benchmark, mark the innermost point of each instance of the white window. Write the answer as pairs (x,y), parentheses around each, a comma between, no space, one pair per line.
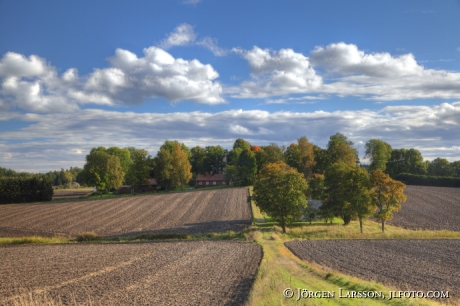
(214,183)
(200,183)
(224,183)
(207,183)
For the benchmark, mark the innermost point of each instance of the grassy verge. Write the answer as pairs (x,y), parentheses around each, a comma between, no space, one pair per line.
(34,240)
(257,215)
(280,269)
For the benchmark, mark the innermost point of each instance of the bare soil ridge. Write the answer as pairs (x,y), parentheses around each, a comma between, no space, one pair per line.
(187,212)
(161,273)
(422,265)
(433,208)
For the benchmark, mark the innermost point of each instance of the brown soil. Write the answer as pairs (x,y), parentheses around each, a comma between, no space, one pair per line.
(187,212)
(420,265)
(159,273)
(427,207)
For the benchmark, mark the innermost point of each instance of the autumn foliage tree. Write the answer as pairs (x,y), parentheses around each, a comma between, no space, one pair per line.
(281,192)
(387,196)
(181,167)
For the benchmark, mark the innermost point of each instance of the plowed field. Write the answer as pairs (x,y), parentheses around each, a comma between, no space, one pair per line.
(428,207)
(187,212)
(163,273)
(405,264)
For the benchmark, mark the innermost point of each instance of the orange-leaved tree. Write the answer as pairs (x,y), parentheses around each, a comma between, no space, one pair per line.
(281,192)
(388,194)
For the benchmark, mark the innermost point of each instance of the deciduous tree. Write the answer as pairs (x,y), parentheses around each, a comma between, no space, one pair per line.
(281,192)
(379,152)
(340,149)
(181,168)
(139,171)
(387,196)
(358,193)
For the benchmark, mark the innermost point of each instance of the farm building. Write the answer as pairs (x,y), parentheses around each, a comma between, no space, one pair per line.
(151,186)
(208,180)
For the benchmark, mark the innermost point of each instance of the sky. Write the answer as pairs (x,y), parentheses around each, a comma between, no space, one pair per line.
(81,74)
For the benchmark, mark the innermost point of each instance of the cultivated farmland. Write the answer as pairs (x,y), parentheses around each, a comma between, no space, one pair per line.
(405,264)
(435,208)
(187,212)
(159,273)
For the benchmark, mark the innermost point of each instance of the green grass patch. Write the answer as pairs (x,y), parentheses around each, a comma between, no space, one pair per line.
(371,230)
(33,239)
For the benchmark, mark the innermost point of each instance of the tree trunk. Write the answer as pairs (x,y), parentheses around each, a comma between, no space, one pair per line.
(383,226)
(346,219)
(284,227)
(361,225)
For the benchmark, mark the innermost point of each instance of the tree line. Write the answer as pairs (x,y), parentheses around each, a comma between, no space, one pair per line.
(334,176)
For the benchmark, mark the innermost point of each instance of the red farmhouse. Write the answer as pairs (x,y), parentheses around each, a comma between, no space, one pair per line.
(208,180)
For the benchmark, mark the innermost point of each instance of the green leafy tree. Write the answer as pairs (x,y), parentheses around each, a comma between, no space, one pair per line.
(340,149)
(181,168)
(317,187)
(164,168)
(336,192)
(321,159)
(292,156)
(387,196)
(241,144)
(281,192)
(379,152)
(455,168)
(268,155)
(358,193)
(115,173)
(170,145)
(198,160)
(306,157)
(440,167)
(124,155)
(243,171)
(140,169)
(215,159)
(405,161)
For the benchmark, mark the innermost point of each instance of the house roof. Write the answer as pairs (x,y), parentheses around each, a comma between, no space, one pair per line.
(211,177)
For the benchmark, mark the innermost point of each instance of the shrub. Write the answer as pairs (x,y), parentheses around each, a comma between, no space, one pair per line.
(86,236)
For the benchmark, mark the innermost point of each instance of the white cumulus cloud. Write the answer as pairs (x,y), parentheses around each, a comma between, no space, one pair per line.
(30,84)
(277,73)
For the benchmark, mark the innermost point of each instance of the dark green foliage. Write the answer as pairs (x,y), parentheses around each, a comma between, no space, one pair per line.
(425,180)
(20,190)
(405,161)
(86,236)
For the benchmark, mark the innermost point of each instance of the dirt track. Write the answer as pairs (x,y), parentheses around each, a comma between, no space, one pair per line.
(188,212)
(161,273)
(405,264)
(427,207)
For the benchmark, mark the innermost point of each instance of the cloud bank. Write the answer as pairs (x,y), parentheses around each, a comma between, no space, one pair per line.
(67,138)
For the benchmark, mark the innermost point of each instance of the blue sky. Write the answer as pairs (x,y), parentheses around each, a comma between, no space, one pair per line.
(75,75)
